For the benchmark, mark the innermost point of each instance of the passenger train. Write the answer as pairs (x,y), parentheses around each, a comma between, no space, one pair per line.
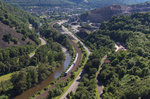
(73,64)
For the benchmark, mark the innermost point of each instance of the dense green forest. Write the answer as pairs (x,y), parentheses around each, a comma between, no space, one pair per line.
(60,87)
(87,86)
(53,34)
(20,20)
(28,71)
(126,76)
(45,61)
(34,70)
(14,58)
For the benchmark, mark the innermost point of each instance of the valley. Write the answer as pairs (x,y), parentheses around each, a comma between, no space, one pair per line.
(74,49)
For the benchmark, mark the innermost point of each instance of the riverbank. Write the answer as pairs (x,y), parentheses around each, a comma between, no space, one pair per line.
(73,85)
(57,76)
(43,85)
(46,93)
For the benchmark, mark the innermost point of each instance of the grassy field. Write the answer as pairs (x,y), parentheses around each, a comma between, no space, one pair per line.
(5,77)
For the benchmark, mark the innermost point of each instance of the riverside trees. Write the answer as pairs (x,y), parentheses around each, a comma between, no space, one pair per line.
(26,71)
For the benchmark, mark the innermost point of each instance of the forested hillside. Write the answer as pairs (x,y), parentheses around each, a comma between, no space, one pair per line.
(126,73)
(20,71)
(20,21)
(9,37)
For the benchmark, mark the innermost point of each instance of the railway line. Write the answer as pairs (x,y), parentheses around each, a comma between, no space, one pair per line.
(71,69)
(73,64)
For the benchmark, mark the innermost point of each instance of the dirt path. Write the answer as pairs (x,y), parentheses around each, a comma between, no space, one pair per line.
(43,42)
(119,48)
(99,84)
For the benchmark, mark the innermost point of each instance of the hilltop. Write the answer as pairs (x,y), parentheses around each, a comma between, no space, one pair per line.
(105,13)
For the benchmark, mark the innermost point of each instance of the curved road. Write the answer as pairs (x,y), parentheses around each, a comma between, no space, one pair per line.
(43,42)
(75,84)
(66,31)
(45,94)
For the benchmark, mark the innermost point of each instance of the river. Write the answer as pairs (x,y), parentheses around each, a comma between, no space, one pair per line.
(30,92)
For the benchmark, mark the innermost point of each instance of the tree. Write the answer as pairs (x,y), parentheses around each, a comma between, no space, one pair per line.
(19,81)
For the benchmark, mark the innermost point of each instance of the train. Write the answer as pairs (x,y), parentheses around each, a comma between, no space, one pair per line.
(74,62)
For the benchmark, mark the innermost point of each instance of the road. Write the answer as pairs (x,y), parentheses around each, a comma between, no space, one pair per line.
(43,42)
(66,31)
(99,84)
(75,84)
(45,94)
(73,87)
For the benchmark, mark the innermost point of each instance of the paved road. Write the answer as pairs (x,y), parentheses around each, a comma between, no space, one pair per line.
(66,31)
(46,93)
(73,87)
(43,42)
(75,84)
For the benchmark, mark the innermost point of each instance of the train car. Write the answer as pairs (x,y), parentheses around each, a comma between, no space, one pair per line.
(76,58)
(74,62)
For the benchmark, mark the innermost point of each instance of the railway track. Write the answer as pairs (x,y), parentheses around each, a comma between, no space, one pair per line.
(46,93)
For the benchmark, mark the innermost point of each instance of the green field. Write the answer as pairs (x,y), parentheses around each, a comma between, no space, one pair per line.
(5,77)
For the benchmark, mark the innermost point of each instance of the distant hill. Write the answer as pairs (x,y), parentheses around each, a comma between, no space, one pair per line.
(26,3)
(105,13)
(102,3)
(65,3)
(15,25)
